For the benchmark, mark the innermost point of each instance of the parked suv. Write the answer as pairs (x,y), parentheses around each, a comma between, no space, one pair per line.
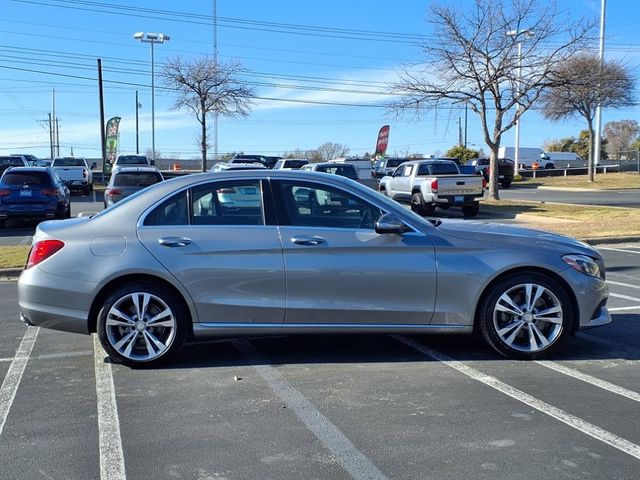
(33,192)
(342,169)
(125,181)
(505,170)
(386,166)
(7,161)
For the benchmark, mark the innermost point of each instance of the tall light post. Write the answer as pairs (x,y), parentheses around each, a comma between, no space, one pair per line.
(518,34)
(596,141)
(152,38)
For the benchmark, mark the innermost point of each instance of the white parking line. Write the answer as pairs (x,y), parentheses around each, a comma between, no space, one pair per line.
(111,454)
(624,309)
(25,240)
(52,355)
(624,297)
(357,465)
(610,387)
(620,284)
(637,252)
(14,375)
(575,422)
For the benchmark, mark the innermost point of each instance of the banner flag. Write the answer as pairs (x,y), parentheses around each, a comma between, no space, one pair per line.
(112,139)
(383,141)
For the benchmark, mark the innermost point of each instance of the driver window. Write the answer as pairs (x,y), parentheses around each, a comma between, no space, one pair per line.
(311,205)
(408,170)
(399,171)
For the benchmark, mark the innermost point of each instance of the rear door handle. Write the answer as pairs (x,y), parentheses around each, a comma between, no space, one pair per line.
(174,241)
(308,241)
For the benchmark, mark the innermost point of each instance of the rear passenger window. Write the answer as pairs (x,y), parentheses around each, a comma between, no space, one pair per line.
(170,212)
(227,203)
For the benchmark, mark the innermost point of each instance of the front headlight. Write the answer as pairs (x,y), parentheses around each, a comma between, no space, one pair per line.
(583,264)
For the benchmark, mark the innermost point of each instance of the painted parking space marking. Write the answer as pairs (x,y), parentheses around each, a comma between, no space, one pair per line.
(624,297)
(26,240)
(111,454)
(637,252)
(14,375)
(357,465)
(623,309)
(571,420)
(597,382)
(53,355)
(621,284)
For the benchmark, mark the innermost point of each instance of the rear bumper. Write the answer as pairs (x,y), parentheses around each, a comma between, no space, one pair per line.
(54,302)
(457,200)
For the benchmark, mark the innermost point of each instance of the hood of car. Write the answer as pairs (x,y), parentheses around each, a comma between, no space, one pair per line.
(526,237)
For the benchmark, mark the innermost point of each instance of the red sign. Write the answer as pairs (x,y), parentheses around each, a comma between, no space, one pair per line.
(383,141)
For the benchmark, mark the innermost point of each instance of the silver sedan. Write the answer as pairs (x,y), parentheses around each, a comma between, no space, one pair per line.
(178,261)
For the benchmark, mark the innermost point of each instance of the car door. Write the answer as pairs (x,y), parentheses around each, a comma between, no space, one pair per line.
(214,239)
(339,270)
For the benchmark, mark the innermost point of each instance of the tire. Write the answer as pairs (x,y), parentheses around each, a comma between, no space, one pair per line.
(471,210)
(383,191)
(67,212)
(549,166)
(86,190)
(510,320)
(506,184)
(418,205)
(91,187)
(135,343)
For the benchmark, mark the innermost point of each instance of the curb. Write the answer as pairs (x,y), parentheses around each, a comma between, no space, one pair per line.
(610,240)
(10,273)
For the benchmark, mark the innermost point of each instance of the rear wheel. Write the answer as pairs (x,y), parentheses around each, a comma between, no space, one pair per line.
(549,166)
(506,184)
(67,212)
(86,190)
(142,324)
(471,210)
(418,205)
(526,316)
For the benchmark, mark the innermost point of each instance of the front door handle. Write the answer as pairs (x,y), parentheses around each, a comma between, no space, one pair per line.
(174,241)
(308,241)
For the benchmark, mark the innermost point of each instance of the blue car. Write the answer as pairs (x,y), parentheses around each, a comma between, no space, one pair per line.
(33,193)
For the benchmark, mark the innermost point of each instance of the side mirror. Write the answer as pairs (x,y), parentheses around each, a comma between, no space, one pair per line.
(389,223)
(94,165)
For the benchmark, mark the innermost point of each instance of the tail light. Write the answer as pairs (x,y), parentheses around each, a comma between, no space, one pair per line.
(4,192)
(84,173)
(434,185)
(484,184)
(42,250)
(488,171)
(50,192)
(113,191)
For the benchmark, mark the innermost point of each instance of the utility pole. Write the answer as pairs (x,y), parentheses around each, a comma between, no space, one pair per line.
(137,128)
(459,131)
(465,124)
(56,147)
(57,137)
(103,138)
(51,136)
(215,62)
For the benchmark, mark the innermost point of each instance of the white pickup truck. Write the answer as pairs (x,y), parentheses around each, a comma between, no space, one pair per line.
(74,172)
(427,184)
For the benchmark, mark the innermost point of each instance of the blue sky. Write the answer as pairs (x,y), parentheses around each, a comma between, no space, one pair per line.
(44,36)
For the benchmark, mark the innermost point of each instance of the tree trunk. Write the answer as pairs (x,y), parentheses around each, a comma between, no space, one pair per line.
(203,140)
(493,177)
(591,152)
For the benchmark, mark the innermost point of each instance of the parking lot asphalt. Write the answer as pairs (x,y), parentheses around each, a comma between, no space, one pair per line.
(326,407)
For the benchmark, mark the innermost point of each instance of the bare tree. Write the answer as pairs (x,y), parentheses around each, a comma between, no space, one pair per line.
(329,151)
(619,136)
(472,59)
(580,85)
(205,87)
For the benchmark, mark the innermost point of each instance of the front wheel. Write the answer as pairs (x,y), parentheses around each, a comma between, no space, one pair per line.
(419,206)
(142,325)
(526,316)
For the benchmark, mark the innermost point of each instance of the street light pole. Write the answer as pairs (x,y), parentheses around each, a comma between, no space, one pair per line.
(596,142)
(152,38)
(516,34)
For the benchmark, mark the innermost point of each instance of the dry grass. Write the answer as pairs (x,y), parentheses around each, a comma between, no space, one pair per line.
(13,256)
(583,222)
(608,181)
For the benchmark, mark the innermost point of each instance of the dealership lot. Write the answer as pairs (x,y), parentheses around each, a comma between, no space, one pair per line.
(326,406)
